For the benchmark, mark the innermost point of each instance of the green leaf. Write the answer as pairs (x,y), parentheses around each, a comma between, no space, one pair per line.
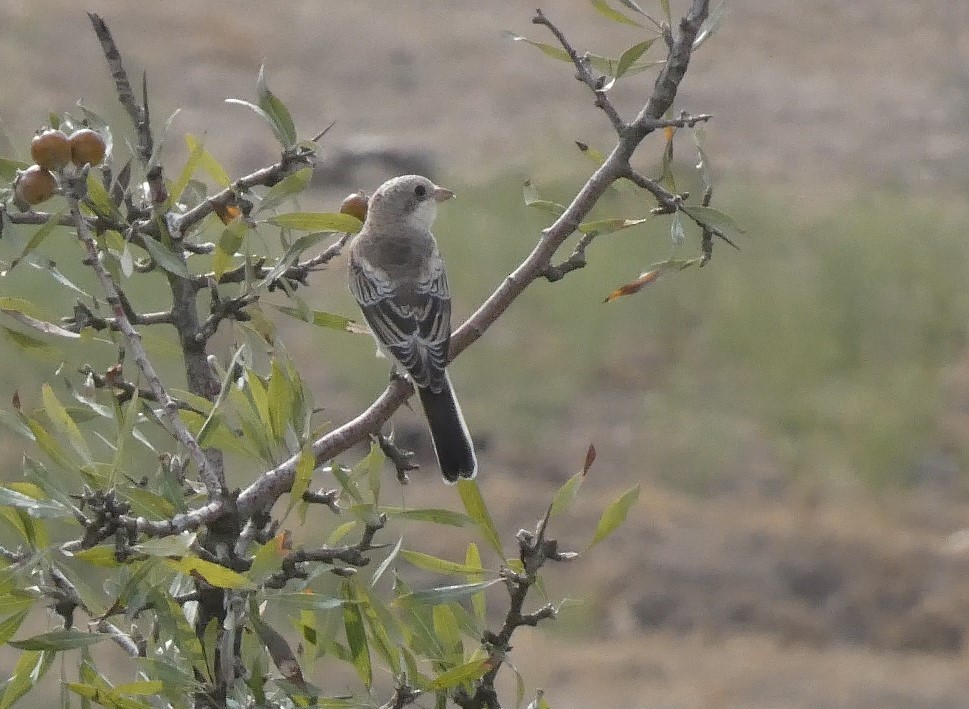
(356,634)
(565,495)
(711,216)
(58,640)
(318,318)
(215,574)
(289,186)
(370,466)
(607,226)
(175,546)
(603,8)
(48,328)
(439,566)
(445,594)
(102,555)
(677,234)
(165,258)
(614,515)
(665,5)
(37,238)
(259,400)
(49,445)
(548,49)
(292,255)
(30,669)
(64,424)
(702,163)
(462,674)
(280,120)
(306,601)
(447,630)
(227,246)
(32,347)
(472,559)
(44,264)
(475,506)
(629,57)
(195,150)
(711,24)
(146,503)
(385,564)
(207,162)
(267,560)
(38,508)
(429,514)
(99,198)
(317,221)
(143,688)
(8,168)
(532,199)
(21,305)
(280,396)
(633,6)
(258,111)
(304,473)
(9,626)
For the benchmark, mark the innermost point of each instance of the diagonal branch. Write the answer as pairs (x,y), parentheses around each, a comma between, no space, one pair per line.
(266,489)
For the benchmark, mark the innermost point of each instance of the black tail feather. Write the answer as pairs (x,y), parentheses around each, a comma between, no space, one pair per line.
(452,442)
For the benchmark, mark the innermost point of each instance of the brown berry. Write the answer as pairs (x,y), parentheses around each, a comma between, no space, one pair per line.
(51,149)
(34,185)
(87,146)
(355,205)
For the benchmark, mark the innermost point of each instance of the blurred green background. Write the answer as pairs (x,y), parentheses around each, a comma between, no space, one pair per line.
(802,403)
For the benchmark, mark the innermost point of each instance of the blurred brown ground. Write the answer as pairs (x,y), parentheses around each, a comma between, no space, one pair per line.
(758,596)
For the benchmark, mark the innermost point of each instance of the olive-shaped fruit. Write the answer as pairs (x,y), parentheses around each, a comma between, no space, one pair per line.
(87,146)
(35,185)
(51,149)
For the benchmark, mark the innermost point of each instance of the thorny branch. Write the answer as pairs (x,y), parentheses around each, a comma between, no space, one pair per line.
(265,490)
(534,549)
(134,345)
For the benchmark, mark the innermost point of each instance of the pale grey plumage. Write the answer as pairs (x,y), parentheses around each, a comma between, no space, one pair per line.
(398,277)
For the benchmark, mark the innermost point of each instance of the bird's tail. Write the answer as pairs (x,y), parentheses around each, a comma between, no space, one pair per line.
(452,442)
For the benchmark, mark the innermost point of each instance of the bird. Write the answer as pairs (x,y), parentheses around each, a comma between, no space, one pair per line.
(398,277)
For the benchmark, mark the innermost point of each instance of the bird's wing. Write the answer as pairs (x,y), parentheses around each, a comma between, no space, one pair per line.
(410,320)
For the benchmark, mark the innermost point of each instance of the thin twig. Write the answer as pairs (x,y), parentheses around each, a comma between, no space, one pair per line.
(133,340)
(584,74)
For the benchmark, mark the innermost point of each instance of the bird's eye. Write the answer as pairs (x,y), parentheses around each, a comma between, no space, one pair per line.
(420,190)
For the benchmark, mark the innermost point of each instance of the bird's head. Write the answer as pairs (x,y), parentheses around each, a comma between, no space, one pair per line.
(410,199)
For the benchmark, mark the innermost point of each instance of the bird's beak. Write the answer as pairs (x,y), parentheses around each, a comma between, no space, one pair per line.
(441,195)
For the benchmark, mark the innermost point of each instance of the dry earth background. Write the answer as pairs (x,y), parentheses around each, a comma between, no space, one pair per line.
(761,595)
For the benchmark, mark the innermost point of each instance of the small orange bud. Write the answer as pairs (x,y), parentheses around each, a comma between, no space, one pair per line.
(355,205)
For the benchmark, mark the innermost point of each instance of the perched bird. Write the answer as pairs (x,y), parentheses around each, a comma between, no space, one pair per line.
(397,275)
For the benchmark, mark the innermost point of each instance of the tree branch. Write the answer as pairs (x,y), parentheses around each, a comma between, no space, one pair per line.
(132,337)
(584,74)
(268,487)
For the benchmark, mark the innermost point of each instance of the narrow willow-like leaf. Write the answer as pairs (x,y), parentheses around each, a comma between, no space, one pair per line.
(288,187)
(614,515)
(468,672)
(59,640)
(356,634)
(165,258)
(477,510)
